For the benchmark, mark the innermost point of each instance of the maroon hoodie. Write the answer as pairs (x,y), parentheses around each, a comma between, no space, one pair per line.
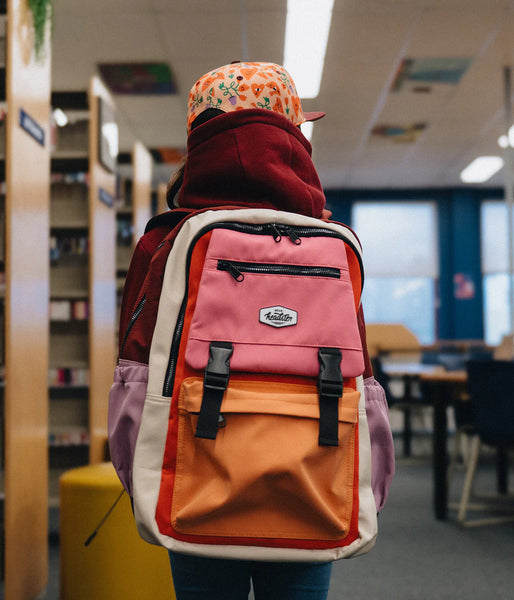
(252,158)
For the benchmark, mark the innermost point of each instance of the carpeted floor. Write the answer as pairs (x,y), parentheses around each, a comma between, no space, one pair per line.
(415,557)
(419,558)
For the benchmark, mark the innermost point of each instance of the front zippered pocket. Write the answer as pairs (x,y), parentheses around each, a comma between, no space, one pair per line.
(273,231)
(237,269)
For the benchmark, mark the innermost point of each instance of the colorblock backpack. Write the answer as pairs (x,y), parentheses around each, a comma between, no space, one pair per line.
(237,417)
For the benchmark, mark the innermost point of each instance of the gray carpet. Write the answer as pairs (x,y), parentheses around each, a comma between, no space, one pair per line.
(415,557)
(419,558)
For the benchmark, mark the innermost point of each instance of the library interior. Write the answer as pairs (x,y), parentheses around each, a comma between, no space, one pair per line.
(414,154)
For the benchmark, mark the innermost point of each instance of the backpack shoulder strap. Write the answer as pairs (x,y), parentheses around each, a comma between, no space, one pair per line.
(157,229)
(169,219)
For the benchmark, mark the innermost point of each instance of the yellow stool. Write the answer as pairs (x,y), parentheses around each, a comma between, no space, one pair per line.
(117,564)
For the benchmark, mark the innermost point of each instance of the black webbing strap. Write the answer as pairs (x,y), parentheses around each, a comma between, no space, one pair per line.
(215,382)
(330,385)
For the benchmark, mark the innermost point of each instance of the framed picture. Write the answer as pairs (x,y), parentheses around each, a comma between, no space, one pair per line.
(107,136)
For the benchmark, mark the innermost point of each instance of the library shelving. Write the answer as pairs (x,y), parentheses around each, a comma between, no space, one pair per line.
(25,331)
(102,269)
(142,166)
(133,209)
(82,284)
(68,374)
(124,231)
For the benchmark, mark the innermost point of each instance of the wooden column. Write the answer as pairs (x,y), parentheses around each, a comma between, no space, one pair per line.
(102,281)
(141,188)
(26,303)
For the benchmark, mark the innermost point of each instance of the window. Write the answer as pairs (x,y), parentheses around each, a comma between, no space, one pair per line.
(495,269)
(400,263)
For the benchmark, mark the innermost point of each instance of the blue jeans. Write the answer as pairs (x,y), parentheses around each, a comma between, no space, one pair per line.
(197,578)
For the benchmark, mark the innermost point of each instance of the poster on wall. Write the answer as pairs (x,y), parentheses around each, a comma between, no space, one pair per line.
(463,286)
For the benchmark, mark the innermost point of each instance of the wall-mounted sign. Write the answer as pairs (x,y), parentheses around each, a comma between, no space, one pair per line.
(105,197)
(33,128)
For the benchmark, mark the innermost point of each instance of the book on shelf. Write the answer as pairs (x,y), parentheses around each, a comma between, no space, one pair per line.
(69,310)
(68,376)
(67,246)
(70,178)
(71,437)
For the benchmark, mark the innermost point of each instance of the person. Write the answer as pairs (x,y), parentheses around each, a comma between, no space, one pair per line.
(246,149)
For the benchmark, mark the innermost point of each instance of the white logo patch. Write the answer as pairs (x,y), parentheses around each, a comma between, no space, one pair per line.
(278,316)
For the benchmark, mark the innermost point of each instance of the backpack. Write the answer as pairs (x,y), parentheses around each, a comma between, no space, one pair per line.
(237,416)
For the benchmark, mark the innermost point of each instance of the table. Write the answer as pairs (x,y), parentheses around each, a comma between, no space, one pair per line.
(441,387)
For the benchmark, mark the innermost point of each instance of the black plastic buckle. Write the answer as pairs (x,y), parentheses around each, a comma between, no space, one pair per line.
(217,372)
(330,382)
(215,380)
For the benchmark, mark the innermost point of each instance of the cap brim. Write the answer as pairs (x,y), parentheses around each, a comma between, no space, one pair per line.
(313,116)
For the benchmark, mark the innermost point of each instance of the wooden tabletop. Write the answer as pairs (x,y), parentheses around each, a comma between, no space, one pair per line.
(457,376)
(434,373)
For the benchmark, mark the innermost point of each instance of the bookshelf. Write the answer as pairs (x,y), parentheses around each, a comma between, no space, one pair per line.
(102,279)
(142,188)
(133,210)
(3,113)
(25,331)
(68,373)
(82,290)
(124,232)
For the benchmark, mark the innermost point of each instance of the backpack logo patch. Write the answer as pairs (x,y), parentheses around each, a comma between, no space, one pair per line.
(278,316)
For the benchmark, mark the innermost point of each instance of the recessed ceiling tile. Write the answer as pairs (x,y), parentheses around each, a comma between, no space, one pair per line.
(453,33)
(187,36)
(202,7)
(81,42)
(101,7)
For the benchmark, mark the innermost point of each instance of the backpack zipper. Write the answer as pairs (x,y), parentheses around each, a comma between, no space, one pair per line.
(276,230)
(134,317)
(237,268)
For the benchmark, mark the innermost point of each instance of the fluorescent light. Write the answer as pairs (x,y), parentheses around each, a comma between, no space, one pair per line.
(307,27)
(60,117)
(504,142)
(307,129)
(481,169)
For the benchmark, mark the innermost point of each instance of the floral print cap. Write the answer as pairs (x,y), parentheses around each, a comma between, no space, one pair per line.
(243,85)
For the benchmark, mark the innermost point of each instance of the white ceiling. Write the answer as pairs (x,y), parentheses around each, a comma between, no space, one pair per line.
(368,40)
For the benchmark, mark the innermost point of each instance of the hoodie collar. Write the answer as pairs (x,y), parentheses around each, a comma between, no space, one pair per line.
(252,158)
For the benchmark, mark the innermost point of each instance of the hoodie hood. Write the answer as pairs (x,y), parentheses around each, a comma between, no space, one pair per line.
(251,158)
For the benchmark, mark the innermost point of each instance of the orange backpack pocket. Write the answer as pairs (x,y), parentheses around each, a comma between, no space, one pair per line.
(265,475)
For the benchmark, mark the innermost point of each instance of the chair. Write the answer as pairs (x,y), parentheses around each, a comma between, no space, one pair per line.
(405,402)
(491,392)
(393,339)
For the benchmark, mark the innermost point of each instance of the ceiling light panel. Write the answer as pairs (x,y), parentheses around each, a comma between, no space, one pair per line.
(481,169)
(307,28)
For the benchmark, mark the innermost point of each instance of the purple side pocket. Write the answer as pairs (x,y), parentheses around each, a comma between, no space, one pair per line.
(382,449)
(126,401)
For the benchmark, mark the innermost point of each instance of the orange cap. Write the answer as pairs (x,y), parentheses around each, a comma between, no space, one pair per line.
(243,85)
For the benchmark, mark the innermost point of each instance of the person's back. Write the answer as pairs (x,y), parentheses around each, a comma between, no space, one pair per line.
(246,150)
